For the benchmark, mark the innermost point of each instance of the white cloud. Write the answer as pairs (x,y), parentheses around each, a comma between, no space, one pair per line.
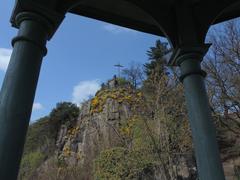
(84,90)
(37,106)
(117,29)
(5,55)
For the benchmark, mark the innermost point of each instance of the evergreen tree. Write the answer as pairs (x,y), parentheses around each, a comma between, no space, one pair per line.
(64,113)
(157,65)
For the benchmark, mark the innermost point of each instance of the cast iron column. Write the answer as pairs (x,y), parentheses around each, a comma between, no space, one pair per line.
(18,89)
(204,136)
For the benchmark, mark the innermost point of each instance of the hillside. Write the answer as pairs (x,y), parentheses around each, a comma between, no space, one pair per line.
(115,135)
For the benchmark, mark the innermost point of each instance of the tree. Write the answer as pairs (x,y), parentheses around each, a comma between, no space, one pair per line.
(41,138)
(170,131)
(155,70)
(134,74)
(157,64)
(223,67)
(64,113)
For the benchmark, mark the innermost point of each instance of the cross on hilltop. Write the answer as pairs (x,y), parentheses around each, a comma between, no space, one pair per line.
(119,66)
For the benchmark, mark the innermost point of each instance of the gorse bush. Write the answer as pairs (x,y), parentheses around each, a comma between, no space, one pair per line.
(120,163)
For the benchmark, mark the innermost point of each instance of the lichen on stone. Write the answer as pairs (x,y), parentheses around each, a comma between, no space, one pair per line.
(121,95)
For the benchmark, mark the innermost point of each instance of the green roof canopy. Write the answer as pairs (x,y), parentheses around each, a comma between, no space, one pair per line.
(144,15)
(159,17)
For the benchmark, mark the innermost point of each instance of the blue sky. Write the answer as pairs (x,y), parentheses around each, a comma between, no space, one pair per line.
(80,56)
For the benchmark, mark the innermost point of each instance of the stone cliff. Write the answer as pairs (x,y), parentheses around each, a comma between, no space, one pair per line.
(97,128)
(111,139)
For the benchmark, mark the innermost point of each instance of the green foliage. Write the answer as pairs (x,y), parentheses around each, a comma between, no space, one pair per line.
(38,134)
(119,163)
(122,81)
(64,113)
(55,171)
(41,136)
(155,135)
(139,157)
(156,69)
(30,162)
(157,62)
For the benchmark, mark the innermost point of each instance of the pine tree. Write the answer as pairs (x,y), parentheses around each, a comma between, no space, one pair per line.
(157,65)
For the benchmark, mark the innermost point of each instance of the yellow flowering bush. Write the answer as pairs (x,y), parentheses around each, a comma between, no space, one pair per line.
(120,94)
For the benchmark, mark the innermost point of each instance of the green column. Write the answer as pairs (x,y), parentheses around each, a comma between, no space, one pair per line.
(18,90)
(204,136)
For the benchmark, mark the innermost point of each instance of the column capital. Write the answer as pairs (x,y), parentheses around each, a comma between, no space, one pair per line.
(181,53)
(40,11)
(33,28)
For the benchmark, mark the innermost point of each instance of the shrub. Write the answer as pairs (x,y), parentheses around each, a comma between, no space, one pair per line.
(120,163)
(30,162)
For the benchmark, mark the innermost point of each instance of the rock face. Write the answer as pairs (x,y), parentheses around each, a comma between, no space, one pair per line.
(96,129)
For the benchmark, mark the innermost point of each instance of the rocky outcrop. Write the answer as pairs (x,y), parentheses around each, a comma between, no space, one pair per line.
(97,127)
(101,125)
